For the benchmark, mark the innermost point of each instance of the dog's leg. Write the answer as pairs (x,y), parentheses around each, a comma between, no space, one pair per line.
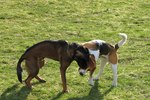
(63,68)
(114,70)
(40,79)
(102,65)
(40,64)
(92,64)
(113,59)
(91,82)
(27,81)
(33,70)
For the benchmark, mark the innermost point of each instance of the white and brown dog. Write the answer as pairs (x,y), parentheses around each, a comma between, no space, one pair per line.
(107,52)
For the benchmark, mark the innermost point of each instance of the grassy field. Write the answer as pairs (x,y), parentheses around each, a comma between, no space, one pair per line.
(26,22)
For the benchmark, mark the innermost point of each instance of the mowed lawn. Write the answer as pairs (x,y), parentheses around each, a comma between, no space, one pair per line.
(26,22)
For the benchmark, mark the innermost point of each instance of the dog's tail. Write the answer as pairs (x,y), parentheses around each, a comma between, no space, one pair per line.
(122,42)
(19,69)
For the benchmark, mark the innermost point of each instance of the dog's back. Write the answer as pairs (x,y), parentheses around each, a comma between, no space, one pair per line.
(45,49)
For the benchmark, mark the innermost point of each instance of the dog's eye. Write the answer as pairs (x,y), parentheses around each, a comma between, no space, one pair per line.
(87,51)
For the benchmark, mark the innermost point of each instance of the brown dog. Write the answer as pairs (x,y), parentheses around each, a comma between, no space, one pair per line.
(60,51)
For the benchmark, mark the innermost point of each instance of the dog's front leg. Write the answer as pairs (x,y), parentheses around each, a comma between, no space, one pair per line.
(102,65)
(92,66)
(91,82)
(114,70)
(63,69)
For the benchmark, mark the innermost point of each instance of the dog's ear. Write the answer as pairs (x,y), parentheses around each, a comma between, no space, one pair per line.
(79,54)
(91,62)
(87,50)
(72,49)
(73,46)
(82,52)
(91,45)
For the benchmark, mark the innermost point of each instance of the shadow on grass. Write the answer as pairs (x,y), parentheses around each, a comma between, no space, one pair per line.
(12,93)
(57,96)
(94,94)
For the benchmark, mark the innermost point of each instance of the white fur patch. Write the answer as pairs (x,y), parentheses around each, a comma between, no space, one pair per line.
(96,53)
(98,41)
(114,69)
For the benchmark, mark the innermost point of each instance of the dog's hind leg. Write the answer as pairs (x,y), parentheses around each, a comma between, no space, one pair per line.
(113,59)
(102,65)
(40,64)
(40,79)
(114,70)
(33,70)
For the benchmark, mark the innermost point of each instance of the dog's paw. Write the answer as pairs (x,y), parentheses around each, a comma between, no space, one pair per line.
(42,81)
(29,86)
(65,91)
(91,82)
(114,84)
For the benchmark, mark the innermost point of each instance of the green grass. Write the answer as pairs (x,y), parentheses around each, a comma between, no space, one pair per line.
(26,22)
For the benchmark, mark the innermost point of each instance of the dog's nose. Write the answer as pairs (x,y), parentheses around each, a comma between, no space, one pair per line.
(81,74)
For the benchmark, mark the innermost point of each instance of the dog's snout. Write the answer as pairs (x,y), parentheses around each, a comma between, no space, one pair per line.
(81,74)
